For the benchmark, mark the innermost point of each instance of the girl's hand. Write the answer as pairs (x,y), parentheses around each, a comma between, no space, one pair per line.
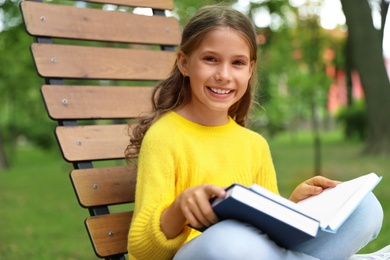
(195,206)
(312,187)
(191,206)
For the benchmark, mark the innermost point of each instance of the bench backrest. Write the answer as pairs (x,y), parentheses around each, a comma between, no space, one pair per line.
(100,61)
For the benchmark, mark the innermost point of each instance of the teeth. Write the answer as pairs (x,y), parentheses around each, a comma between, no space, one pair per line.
(220,91)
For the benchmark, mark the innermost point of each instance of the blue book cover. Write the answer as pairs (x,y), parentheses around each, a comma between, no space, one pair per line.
(284,225)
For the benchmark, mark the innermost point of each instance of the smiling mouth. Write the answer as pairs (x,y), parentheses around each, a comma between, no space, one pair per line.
(220,91)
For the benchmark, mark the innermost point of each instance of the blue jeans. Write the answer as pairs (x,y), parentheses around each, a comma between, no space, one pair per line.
(233,240)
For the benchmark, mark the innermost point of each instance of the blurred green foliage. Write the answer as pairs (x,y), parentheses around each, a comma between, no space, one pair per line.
(21,108)
(354,120)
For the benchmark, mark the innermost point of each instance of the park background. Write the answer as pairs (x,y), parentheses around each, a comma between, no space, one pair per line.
(324,90)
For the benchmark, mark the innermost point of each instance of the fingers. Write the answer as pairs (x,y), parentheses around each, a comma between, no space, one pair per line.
(312,187)
(310,190)
(206,214)
(316,185)
(322,182)
(197,214)
(196,206)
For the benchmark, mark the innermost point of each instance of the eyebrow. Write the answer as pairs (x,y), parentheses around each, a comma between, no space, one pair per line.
(238,56)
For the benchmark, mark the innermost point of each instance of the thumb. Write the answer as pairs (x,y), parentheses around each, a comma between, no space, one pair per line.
(214,190)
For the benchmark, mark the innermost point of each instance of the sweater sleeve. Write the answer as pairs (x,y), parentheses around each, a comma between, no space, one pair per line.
(155,191)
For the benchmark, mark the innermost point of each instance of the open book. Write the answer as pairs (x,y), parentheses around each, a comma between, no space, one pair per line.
(288,223)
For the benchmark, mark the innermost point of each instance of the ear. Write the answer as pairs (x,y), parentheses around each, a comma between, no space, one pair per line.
(251,67)
(182,63)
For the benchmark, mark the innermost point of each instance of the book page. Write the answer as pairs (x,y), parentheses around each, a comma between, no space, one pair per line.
(257,188)
(334,205)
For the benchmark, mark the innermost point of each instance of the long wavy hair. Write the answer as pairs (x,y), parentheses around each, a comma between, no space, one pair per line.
(175,91)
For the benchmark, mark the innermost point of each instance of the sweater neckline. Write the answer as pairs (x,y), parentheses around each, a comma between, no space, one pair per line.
(192,125)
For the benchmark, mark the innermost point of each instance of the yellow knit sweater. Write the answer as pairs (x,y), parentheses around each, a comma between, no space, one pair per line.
(177,154)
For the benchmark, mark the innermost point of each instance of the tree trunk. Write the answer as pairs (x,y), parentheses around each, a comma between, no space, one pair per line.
(3,157)
(367,58)
(317,139)
(384,11)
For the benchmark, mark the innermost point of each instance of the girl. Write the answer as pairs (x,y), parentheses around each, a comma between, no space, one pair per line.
(194,143)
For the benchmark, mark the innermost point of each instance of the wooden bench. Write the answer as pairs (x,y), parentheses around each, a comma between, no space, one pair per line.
(100,60)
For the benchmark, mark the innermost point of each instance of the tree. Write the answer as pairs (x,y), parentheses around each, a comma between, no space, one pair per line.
(21,107)
(365,50)
(295,65)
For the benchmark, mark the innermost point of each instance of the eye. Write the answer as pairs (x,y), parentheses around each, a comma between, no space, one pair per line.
(239,63)
(210,58)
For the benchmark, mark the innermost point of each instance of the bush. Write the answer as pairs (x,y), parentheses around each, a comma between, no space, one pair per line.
(354,120)
(40,134)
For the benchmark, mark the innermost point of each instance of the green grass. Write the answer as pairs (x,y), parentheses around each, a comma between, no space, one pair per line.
(39,213)
(40,217)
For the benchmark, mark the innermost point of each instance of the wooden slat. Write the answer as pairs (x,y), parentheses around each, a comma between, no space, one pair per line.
(88,102)
(93,142)
(104,186)
(92,24)
(158,4)
(101,63)
(108,233)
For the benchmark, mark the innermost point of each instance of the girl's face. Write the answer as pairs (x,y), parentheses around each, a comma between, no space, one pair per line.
(219,71)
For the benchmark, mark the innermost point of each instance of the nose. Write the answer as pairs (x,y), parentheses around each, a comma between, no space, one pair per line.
(223,73)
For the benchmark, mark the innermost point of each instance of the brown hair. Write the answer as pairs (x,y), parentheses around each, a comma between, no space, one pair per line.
(174,91)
